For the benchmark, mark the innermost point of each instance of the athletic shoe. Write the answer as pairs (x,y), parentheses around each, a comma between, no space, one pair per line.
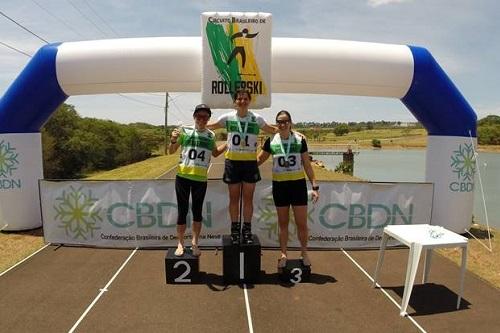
(247,235)
(235,233)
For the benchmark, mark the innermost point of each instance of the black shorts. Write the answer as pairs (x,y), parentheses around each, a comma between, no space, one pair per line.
(183,188)
(290,192)
(241,171)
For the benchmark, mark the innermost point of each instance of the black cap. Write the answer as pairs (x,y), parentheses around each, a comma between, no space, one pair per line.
(203,107)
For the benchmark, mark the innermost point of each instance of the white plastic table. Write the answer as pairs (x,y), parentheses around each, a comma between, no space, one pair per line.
(420,237)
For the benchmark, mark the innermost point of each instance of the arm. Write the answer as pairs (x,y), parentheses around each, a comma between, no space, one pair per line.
(214,126)
(262,157)
(269,129)
(173,141)
(217,150)
(310,174)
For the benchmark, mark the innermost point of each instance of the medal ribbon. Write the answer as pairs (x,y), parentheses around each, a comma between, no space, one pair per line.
(287,152)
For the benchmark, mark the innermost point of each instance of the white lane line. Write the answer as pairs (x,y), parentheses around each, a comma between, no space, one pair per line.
(383,291)
(247,304)
(101,292)
(20,262)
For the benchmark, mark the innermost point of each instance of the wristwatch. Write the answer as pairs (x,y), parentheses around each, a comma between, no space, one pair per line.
(315,188)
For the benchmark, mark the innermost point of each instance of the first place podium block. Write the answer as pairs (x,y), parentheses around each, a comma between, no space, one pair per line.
(182,270)
(295,272)
(241,262)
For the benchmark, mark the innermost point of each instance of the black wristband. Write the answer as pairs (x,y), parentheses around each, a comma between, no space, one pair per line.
(315,188)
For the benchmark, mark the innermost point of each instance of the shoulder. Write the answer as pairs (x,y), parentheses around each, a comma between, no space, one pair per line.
(226,116)
(210,134)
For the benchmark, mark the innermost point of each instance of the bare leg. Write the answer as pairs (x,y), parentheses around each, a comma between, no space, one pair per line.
(283,217)
(181,230)
(195,240)
(248,191)
(300,214)
(234,201)
(196,232)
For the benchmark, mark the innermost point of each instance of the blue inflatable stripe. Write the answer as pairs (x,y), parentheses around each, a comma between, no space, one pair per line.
(435,101)
(34,95)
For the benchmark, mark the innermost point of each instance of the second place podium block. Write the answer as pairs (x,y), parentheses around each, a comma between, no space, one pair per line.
(182,270)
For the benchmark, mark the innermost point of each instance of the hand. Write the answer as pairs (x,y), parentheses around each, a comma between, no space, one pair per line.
(315,196)
(175,134)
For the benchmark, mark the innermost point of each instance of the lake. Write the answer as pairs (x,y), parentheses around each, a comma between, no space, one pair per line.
(409,166)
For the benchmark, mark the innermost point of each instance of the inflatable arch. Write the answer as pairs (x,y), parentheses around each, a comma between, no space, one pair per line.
(298,66)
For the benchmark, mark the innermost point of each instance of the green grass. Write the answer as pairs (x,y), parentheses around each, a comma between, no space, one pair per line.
(147,169)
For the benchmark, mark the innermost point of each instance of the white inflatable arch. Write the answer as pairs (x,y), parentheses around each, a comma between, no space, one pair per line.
(173,64)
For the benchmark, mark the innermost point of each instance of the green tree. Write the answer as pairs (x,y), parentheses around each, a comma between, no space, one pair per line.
(341,129)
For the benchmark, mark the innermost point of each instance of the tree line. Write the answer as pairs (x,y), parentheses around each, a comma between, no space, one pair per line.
(74,146)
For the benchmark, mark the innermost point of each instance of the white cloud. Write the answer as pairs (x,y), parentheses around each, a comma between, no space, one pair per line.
(377,3)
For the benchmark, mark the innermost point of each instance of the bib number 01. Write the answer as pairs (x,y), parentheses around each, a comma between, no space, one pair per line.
(182,277)
(236,140)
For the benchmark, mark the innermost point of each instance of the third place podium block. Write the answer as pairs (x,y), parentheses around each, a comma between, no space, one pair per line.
(241,262)
(295,272)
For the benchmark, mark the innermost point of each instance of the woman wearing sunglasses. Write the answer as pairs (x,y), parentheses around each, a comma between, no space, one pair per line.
(198,145)
(290,160)
(241,172)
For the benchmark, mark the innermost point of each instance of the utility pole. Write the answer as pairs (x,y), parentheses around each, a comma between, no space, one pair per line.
(167,134)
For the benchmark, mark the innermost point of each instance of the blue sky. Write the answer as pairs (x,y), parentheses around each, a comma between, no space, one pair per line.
(461,34)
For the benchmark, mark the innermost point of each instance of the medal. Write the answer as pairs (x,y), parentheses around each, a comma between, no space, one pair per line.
(286,151)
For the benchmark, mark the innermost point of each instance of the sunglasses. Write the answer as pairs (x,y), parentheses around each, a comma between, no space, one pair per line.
(202,117)
(282,122)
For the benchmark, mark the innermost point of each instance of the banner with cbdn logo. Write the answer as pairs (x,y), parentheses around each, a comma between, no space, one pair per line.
(9,162)
(236,55)
(144,213)
(20,170)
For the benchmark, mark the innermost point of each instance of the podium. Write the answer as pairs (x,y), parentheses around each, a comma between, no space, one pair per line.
(241,262)
(182,270)
(294,272)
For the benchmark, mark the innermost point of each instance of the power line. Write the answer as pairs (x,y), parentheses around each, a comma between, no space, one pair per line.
(100,18)
(57,18)
(139,101)
(17,50)
(86,17)
(23,27)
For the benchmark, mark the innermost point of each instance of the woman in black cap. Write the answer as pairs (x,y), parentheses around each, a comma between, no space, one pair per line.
(198,145)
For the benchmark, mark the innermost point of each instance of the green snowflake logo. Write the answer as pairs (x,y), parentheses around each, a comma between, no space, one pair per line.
(8,159)
(77,213)
(463,162)
(268,220)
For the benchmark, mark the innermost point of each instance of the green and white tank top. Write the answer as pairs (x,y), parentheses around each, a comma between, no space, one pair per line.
(242,134)
(287,161)
(196,151)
